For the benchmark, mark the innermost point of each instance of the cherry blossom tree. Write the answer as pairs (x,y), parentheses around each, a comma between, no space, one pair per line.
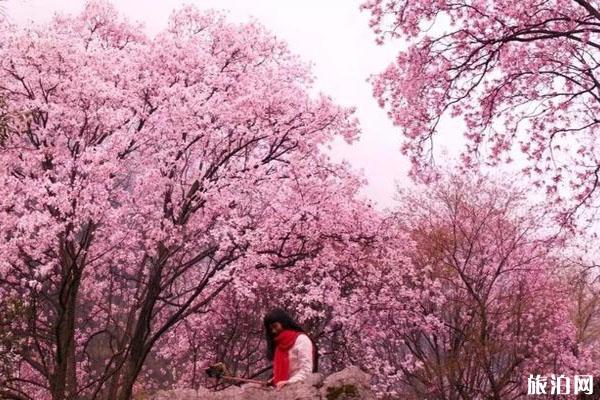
(143,176)
(480,305)
(523,76)
(12,326)
(586,299)
(322,302)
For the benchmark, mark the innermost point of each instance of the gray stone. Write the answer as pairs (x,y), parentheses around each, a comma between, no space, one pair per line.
(348,384)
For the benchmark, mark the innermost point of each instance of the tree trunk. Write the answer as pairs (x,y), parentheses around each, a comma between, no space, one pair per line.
(65,380)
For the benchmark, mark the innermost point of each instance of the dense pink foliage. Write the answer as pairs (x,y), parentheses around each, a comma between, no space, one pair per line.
(522,75)
(461,293)
(160,194)
(142,176)
(480,300)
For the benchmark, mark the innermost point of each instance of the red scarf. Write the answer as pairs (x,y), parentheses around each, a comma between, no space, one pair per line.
(281,360)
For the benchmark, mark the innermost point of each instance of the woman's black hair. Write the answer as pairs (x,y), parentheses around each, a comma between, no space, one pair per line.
(287,322)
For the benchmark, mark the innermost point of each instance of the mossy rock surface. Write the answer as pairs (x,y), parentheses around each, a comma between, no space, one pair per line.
(349,384)
(342,392)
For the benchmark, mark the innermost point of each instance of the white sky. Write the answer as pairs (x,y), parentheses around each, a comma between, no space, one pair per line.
(332,34)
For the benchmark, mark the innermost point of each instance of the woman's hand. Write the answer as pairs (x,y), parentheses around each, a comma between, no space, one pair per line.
(279,385)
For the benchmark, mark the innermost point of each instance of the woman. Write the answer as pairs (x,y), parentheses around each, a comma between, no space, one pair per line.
(293,353)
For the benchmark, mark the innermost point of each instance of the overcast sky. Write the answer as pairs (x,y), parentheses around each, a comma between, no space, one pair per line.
(333,35)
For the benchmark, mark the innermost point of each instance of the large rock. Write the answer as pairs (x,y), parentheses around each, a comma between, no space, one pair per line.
(348,384)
